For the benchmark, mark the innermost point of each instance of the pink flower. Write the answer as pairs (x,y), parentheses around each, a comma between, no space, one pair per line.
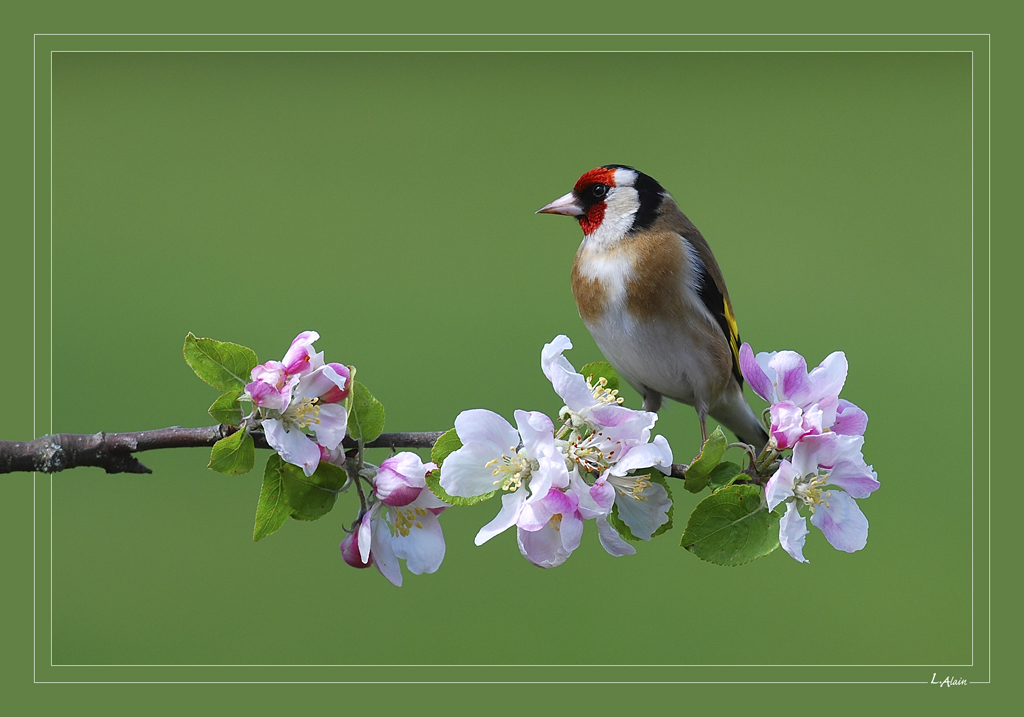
(803,404)
(273,381)
(819,464)
(549,530)
(309,409)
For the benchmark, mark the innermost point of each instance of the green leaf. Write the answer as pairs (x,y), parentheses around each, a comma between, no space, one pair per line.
(445,445)
(233,455)
(312,497)
(598,370)
(222,365)
(226,409)
(434,483)
(273,509)
(726,473)
(699,473)
(731,527)
(366,419)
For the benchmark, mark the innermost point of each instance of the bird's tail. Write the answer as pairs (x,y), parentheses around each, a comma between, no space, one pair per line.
(732,411)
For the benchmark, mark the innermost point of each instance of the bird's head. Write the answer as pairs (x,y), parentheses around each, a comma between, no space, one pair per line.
(613,201)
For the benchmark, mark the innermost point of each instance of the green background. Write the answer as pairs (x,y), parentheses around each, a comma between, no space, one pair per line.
(386,201)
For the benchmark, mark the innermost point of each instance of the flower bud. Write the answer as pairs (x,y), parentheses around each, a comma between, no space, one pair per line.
(336,394)
(350,551)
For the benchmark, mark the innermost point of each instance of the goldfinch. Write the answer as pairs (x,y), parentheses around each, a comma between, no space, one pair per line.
(651,294)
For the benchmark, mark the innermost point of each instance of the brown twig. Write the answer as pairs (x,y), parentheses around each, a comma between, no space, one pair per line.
(113,451)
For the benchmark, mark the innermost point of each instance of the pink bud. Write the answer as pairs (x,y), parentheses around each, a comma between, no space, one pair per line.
(350,552)
(336,394)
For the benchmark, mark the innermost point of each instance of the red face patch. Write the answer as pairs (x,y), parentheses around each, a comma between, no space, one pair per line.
(590,221)
(595,176)
(594,212)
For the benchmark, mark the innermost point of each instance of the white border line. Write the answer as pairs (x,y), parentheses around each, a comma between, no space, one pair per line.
(51,354)
(988,339)
(989,325)
(34,324)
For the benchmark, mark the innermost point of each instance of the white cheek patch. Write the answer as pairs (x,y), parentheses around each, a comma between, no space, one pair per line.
(621,206)
(625,177)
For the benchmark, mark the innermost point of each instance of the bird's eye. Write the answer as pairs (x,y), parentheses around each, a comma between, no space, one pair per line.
(599,191)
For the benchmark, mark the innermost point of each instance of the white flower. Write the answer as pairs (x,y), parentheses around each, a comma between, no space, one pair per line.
(402,523)
(523,464)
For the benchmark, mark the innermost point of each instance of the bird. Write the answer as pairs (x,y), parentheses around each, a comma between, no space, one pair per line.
(653,297)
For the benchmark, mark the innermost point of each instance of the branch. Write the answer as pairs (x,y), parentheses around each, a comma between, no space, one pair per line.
(113,451)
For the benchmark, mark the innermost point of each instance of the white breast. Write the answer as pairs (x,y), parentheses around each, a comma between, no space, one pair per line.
(659,355)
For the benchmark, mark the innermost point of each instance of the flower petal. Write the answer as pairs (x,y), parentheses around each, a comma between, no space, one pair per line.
(571,530)
(603,494)
(856,479)
(478,425)
(544,548)
(364,536)
(551,356)
(350,552)
(587,506)
(465,472)
(793,532)
(810,452)
(293,446)
(791,378)
(383,553)
(787,424)
(300,358)
(755,375)
(645,513)
(423,547)
(538,434)
(339,375)
(511,506)
(316,383)
(611,540)
(850,420)
(537,514)
(656,454)
(400,479)
(842,522)
(332,422)
(828,378)
(780,485)
(267,395)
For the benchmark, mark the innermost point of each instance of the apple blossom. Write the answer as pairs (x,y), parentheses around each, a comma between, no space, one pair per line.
(549,530)
(309,409)
(818,464)
(593,404)
(803,403)
(401,524)
(272,381)
(523,463)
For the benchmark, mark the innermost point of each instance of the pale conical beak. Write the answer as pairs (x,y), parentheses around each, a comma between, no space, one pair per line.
(563,205)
